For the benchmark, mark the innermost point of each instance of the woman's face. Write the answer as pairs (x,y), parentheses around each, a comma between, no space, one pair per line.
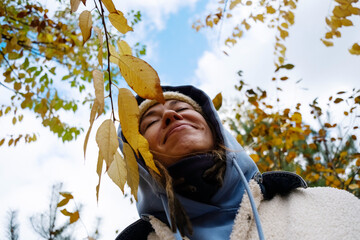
(175,130)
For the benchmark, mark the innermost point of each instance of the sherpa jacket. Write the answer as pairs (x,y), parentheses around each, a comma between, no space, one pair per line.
(312,213)
(285,213)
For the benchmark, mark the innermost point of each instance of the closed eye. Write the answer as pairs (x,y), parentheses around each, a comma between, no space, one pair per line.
(181,109)
(149,124)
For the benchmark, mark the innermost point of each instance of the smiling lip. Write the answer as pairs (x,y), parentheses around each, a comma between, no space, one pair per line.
(173,129)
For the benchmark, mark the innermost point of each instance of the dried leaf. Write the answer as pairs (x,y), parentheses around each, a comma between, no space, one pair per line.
(118,20)
(270,10)
(98,78)
(74,5)
(355,49)
(337,100)
(67,197)
(94,110)
(327,43)
(286,66)
(132,170)
(85,23)
(100,53)
(146,154)
(124,48)
(118,171)
(129,116)
(217,101)
(73,216)
(141,77)
(109,5)
(107,140)
(99,167)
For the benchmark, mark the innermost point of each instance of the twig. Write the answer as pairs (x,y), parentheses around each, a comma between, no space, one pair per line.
(108,57)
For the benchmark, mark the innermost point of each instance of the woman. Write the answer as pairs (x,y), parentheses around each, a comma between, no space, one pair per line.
(205,174)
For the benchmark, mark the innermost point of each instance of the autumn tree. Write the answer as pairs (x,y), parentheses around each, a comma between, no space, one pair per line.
(46,66)
(278,138)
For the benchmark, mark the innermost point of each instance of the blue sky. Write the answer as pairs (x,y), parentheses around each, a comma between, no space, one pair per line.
(181,56)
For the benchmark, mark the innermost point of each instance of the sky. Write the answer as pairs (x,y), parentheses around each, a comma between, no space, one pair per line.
(181,56)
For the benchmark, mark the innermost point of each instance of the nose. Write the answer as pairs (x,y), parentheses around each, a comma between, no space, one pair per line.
(170,116)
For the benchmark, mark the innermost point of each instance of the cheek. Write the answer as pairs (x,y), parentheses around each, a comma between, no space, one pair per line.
(151,137)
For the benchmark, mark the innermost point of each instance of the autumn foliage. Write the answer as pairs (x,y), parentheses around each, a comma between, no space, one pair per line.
(280,139)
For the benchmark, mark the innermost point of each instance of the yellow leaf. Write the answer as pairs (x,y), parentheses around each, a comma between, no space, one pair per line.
(118,171)
(17,86)
(285,25)
(327,43)
(109,6)
(129,116)
(353,186)
(114,55)
(74,5)
(94,110)
(141,77)
(343,154)
(230,40)
(296,117)
(270,10)
(124,48)
(73,216)
(85,23)
(341,12)
(255,157)
(217,101)
(346,22)
(67,197)
(248,3)
(118,20)
(146,154)
(2,141)
(132,170)
(355,49)
(98,78)
(100,53)
(107,140)
(234,3)
(99,167)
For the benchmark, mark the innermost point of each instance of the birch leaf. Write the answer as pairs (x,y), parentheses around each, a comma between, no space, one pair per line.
(67,197)
(118,20)
(85,24)
(132,170)
(217,101)
(98,77)
(146,154)
(74,5)
(114,55)
(129,116)
(107,141)
(100,53)
(109,6)
(129,120)
(94,110)
(73,216)
(99,167)
(124,48)
(118,171)
(141,77)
